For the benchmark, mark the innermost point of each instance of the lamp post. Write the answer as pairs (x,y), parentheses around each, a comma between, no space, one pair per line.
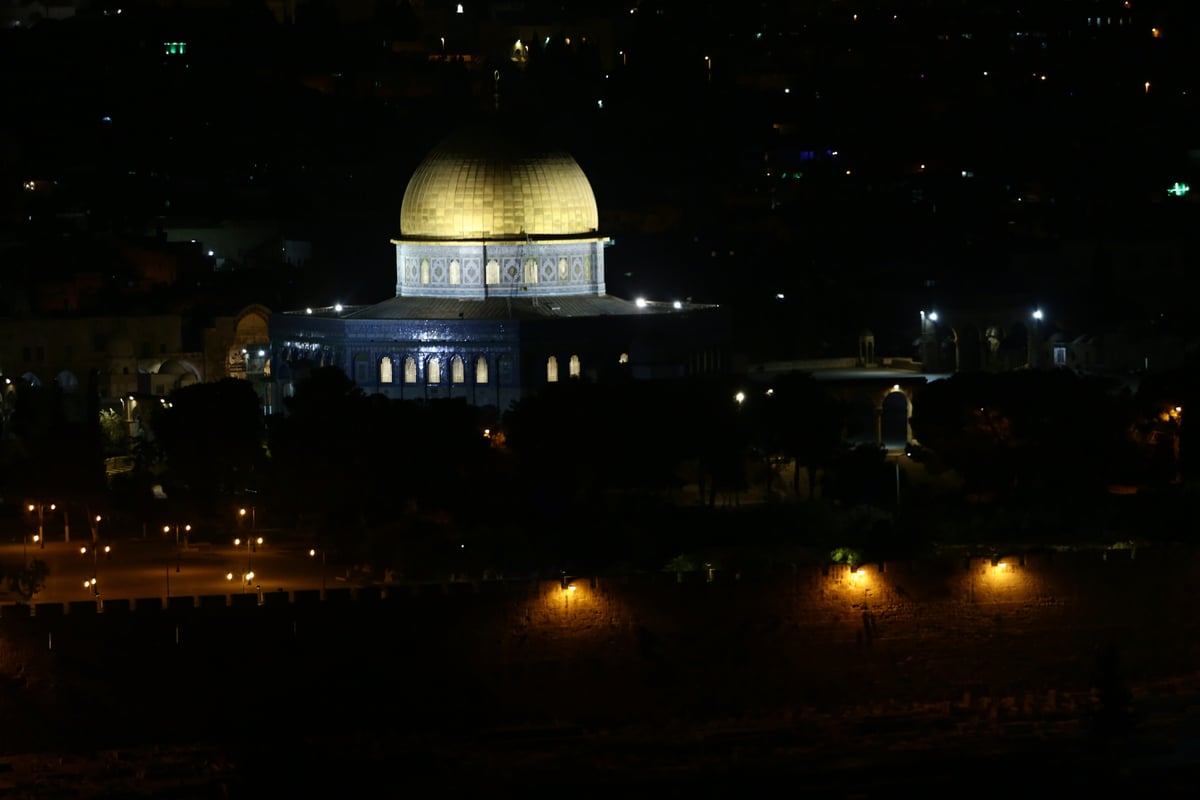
(312,553)
(246,578)
(40,538)
(253,517)
(1035,341)
(166,530)
(252,543)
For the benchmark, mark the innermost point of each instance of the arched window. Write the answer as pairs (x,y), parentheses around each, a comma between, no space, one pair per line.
(574,367)
(455,272)
(410,370)
(457,373)
(552,369)
(481,370)
(424,270)
(493,272)
(531,270)
(433,371)
(385,370)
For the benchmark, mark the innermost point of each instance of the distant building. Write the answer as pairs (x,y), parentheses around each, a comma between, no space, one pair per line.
(499,290)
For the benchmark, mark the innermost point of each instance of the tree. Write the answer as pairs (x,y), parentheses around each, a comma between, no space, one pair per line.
(30,579)
(212,437)
(1026,431)
(804,422)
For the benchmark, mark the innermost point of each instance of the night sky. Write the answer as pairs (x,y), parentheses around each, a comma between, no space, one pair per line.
(864,159)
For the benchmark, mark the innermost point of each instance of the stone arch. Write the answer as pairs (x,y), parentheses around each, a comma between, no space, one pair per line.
(893,422)
(362,369)
(866,348)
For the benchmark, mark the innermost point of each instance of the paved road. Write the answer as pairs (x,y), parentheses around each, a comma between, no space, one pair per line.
(155,568)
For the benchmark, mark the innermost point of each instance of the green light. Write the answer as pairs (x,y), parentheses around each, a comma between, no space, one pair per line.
(174,48)
(1179,189)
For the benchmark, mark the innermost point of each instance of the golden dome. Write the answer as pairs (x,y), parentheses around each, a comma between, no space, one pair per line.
(494,189)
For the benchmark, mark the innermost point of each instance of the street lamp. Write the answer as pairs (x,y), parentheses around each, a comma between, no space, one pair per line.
(246,578)
(252,544)
(312,553)
(178,554)
(40,537)
(253,520)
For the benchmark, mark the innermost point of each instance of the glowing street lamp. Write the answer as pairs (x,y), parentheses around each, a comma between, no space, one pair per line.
(312,553)
(178,552)
(40,537)
(252,544)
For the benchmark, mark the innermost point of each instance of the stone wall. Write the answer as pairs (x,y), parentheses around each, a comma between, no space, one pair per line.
(1020,640)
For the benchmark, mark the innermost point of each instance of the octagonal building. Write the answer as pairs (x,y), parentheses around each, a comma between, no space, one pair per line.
(499,289)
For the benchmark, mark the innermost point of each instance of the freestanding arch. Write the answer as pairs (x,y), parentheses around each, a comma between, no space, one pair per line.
(895,431)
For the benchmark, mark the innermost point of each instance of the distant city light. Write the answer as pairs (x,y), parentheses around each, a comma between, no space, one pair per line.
(1179,189)
(1037,314)
(308,311)
(779,295)
(933,316)
(210,252)
(640,302)
(337,307)
(677,305)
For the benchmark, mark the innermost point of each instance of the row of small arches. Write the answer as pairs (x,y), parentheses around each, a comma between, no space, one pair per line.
(408,373)
(492,273)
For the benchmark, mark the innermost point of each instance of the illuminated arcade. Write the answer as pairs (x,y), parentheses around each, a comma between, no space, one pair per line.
(499,289)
